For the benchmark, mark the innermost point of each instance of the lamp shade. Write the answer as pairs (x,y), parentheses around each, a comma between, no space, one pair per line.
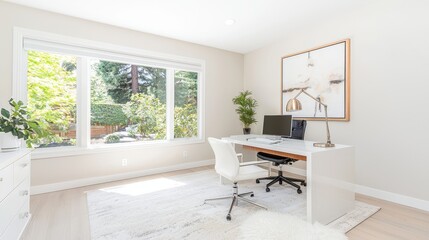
(293,105)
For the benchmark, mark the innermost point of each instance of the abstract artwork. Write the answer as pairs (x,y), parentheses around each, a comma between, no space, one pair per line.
(324,72)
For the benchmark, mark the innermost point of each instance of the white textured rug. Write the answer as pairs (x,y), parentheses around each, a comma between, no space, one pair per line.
(278,226)
(172,208)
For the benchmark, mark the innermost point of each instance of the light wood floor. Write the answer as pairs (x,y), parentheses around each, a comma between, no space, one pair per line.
(64,215)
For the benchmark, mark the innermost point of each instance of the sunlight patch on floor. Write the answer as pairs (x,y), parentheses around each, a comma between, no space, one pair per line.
(140,188)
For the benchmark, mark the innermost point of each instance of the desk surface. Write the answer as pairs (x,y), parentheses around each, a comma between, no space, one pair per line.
(293,146)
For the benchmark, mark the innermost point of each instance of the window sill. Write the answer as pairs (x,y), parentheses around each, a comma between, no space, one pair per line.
(105,148)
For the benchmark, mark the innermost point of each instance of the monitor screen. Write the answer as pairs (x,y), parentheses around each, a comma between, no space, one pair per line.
(279,125)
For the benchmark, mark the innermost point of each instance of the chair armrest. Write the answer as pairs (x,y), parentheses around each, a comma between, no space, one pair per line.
(253,163)
(240,157)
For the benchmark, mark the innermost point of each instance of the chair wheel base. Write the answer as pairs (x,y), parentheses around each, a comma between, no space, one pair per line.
(267,189)
(299,191)
(228,217)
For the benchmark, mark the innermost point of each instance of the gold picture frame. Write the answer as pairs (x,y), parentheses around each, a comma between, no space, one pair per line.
(324,72)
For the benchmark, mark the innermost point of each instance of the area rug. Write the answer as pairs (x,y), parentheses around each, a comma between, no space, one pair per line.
(268,225)
(173,208)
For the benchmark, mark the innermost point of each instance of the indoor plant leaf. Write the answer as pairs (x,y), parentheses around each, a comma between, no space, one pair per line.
(5,113)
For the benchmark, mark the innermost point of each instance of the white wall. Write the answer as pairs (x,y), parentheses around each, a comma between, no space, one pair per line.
(222,69)
(389,89)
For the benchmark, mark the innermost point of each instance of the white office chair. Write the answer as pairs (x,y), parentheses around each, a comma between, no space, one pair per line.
(229,167)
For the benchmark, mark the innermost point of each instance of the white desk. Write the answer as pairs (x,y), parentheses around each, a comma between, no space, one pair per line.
(330,174)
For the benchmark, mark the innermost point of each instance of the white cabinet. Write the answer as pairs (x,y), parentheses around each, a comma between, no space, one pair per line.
(14,193)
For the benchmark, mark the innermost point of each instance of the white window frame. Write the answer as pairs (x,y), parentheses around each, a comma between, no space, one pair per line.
(75,46)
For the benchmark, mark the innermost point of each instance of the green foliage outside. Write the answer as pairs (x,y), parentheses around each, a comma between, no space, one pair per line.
(99,92)
(186,89)
(51,93)
(117,77)
(148,114)
(108,114)
(185,100)
(185,121)
(245,108)
(113,138)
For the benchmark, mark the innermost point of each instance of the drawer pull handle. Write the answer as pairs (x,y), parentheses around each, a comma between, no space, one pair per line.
(25,193)
(24,165)
(1,179)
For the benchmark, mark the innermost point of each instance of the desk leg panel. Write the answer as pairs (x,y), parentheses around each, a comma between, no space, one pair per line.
(330,191)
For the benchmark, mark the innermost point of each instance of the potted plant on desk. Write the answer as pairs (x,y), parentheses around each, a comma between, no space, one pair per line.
(246,109)
(14,125)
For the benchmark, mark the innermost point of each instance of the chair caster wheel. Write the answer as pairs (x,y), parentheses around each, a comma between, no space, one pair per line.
(267,189)
(257,181)
(252,195)
(228,217)
(299,191)
(304,184)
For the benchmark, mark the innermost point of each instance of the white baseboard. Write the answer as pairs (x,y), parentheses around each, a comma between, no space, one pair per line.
(110,178)
(393,197)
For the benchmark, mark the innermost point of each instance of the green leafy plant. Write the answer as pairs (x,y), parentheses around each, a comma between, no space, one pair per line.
(16,122)
(246,108)
(148,114)
(112,138)
(185,121)
(108,114)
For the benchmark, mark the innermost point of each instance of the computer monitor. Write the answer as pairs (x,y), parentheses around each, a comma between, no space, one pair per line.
(278,125)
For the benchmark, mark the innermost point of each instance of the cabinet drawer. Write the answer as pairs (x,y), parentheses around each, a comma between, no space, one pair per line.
(21,169)
(10,205)
(16,227)
(6,181)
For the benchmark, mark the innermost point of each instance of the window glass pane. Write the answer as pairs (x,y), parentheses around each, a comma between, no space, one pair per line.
(51,82)
(185,104)
(128,102)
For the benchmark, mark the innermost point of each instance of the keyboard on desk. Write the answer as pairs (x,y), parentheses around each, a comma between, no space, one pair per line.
(264,140)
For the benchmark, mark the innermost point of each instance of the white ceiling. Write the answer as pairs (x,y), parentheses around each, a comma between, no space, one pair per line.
(257,22)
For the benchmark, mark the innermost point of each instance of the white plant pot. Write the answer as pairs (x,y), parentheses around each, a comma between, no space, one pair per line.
(9,142)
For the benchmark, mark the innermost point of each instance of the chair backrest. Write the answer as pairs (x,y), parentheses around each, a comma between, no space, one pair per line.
(227,163)
(298,129)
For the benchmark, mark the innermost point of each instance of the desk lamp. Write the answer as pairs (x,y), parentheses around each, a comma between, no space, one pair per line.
(295,105)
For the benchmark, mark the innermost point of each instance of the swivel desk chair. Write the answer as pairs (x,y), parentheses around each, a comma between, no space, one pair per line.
(298,132)
(228,166)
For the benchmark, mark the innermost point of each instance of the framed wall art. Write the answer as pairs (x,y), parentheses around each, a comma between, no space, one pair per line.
(323,72)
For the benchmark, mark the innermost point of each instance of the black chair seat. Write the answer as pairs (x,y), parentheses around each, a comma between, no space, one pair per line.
(274,158)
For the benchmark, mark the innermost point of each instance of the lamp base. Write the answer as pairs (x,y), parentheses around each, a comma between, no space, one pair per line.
(323,145)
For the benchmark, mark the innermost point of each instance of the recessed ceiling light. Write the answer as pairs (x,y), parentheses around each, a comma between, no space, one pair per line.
(229,22)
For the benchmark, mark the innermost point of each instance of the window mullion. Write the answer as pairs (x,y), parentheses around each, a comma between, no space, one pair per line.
(170,103)
(200,104)
(83,104)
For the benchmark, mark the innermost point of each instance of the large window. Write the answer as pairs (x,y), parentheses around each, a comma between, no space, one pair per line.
(89,99)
